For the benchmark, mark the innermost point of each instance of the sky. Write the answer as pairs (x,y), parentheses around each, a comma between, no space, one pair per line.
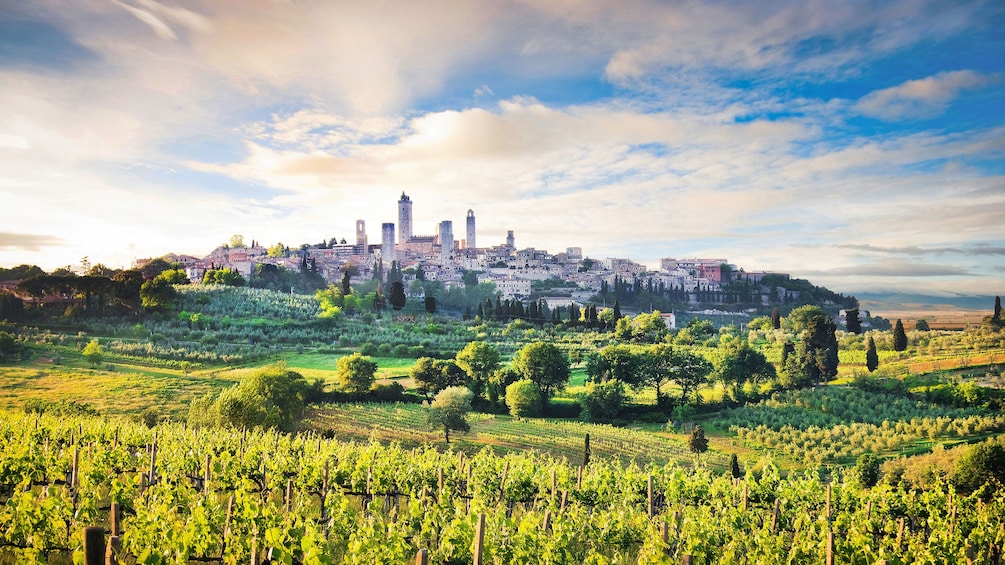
(860,145)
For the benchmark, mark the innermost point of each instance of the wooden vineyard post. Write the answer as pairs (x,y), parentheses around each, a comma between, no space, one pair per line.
(828,503)
(554,486)
(94,545)
(206,475)
(73,470)
(688,559)
(746,495)
(226,526)
(868,510)
(547,521)
(665,532)
(565,498)
(900,533)
(502,482)
(651,507)
(153,463)
(586,450)
(774,514)
(971,554)
(479,539)
(113,550)
(422,557)
(289,495)
(113,519)
(829,558)
(439,482)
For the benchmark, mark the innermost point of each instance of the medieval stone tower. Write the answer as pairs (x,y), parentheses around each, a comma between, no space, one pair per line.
(471,230)
(404,219)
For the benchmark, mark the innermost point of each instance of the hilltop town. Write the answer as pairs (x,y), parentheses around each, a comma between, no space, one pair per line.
(446,258)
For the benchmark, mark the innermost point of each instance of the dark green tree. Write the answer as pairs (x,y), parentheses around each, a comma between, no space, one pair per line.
(603,401)
(998,308)
(397,295)
(734,466)
(430,304)
(480,361)
(871,357)
(346,289)
(544,364)
(776,319)
(697,443)
(922,326)
(852,321)
(866,470)
(899,336)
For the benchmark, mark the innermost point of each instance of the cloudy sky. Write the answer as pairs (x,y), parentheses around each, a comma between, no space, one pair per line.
(857,144)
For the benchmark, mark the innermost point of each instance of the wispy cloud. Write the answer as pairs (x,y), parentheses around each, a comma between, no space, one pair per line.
(920,98)
(27,242)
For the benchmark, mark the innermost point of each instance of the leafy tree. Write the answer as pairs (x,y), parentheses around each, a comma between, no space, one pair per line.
(983,463)
(397,295)
(11,308)
(480,361)
(331,301)
(815,358)
(236,240)
(899,336)
(737,363)
(523,398)
(697,443)
(225,277)
(93,353)
(434,375)
(271,398)
(871,357)
(776,319)
(157,294)
(354,373)
(922,326)
(643,328)
(174,276)
(998,308)
(430,304)
(603,401)
(866,470)
(9,347)
(277,250)
(663,363)
(799,318)
(544,364)
(449,410)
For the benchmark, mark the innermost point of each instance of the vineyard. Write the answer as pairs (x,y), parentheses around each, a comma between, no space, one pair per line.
(407,423)
(176,495)
(836,424)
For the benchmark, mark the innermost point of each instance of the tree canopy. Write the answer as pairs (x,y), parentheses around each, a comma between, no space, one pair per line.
(544,364)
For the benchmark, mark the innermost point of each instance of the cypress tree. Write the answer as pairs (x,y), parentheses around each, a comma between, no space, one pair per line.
(899,336)
(852,321)
(998,308)
(871,357)
(776,319)
(617,310)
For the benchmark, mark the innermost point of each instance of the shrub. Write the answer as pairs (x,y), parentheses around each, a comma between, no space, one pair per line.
(523,398)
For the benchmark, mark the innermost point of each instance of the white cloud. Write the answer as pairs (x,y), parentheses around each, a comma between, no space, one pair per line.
(920,98)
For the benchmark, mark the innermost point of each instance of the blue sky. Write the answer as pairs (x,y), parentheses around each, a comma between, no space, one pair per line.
(857,144)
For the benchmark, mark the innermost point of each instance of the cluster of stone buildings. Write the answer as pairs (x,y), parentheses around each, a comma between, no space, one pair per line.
(445,258)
